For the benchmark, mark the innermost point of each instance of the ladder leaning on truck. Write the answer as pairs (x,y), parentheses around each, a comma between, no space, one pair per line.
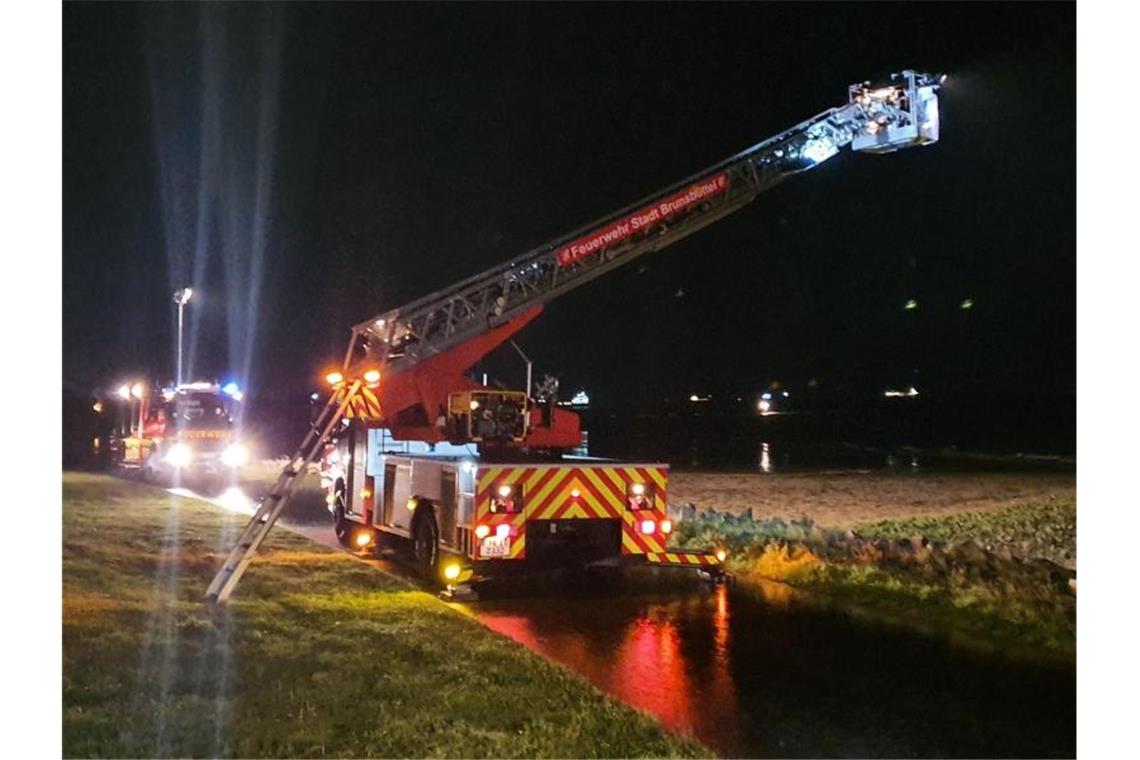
(484,480)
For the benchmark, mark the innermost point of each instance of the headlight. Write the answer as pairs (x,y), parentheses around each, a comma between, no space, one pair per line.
(235,455)
(179,455)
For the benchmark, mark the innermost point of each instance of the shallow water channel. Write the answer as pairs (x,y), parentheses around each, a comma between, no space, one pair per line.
(764,672)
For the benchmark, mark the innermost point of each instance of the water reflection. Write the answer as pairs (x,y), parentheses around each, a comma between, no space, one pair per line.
(762,672)
(781,456)
(668,657)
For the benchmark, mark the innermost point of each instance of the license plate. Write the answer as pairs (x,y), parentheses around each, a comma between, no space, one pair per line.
(495,546)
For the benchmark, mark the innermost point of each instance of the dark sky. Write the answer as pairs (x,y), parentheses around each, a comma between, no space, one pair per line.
(308,166)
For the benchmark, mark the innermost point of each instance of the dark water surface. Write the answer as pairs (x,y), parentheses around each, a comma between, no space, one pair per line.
(760,672)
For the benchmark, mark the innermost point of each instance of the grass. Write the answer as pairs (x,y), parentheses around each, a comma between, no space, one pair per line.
(989,578)
(317,655)
(1045,530)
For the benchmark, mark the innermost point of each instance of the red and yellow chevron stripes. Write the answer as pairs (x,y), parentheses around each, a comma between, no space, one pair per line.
(682,558)
(571,491)
(363,405)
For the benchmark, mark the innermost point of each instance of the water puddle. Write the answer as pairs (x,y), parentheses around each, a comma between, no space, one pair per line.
(759,672)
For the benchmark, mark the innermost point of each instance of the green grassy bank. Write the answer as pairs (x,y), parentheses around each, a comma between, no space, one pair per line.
(1000,579)
(316,655)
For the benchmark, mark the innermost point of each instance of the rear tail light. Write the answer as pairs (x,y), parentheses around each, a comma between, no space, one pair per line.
(639,496)
(503,530)
(482,531)
(648,527)
(506,498)
(666,526)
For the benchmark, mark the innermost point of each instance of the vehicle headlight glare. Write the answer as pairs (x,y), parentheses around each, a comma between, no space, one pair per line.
(235,455)
(179,455)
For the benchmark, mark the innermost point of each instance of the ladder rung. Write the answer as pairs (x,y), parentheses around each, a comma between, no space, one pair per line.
(273,502)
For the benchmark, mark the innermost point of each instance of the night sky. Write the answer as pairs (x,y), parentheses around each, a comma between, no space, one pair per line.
(308,166)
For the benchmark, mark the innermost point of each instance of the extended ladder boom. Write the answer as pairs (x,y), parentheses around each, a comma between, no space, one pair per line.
(878,119)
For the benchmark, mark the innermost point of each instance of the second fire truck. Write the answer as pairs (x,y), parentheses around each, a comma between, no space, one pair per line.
(184,431)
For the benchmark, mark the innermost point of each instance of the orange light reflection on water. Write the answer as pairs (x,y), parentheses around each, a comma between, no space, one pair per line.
(672,660)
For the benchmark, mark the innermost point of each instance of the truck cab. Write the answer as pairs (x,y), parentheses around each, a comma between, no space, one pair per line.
(189,430)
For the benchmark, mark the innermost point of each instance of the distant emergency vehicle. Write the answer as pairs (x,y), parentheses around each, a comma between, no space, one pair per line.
(189,430)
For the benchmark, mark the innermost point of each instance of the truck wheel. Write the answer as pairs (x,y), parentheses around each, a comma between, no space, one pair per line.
(341,526)
(425,543)
(152,475)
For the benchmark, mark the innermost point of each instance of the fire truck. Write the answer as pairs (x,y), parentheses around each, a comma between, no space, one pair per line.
(477,479)
(187,430)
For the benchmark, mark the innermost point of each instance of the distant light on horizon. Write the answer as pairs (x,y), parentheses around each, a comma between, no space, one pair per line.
(967,303)
(911,304)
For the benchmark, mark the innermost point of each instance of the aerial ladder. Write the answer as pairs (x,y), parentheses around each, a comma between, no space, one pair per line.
(408,365)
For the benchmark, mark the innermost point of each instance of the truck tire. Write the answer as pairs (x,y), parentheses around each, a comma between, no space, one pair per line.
(148,473)
(155,476)
(341,526)
(425,542)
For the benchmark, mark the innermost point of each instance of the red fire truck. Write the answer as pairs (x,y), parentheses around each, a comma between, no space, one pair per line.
(476,478)
(187,430)
(464,513)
